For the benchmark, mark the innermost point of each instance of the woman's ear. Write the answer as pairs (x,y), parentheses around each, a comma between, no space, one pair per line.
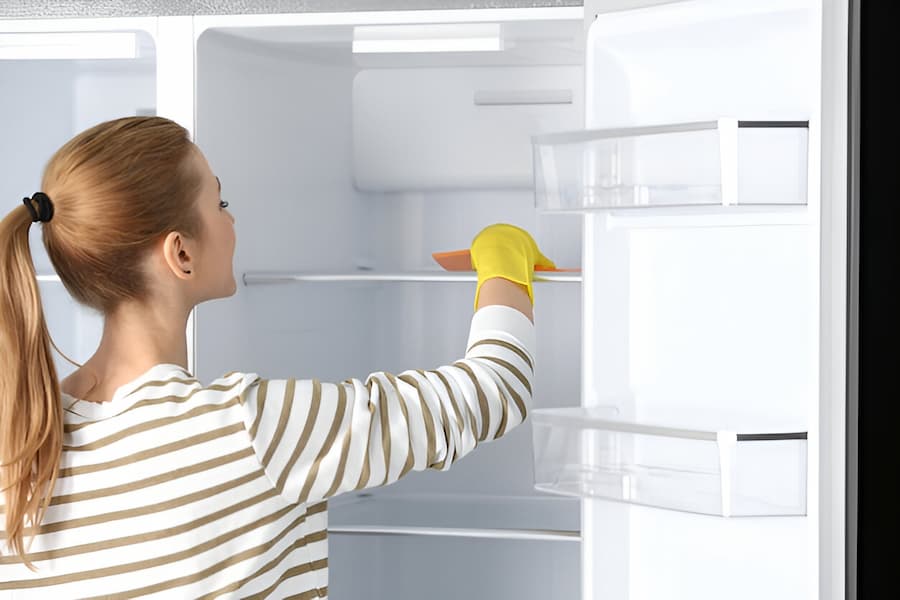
(178,256)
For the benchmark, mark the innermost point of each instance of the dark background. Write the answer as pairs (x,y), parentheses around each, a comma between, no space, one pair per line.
(878,558)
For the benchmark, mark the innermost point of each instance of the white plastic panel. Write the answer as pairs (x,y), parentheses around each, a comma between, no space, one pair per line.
(457,128)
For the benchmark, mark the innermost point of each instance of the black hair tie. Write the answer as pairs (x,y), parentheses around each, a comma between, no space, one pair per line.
(44,210)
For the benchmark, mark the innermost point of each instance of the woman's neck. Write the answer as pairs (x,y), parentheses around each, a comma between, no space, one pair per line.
(135,338)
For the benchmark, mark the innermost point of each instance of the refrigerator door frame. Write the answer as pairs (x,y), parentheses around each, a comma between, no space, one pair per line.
(836,351)
(175,101)
(852,363)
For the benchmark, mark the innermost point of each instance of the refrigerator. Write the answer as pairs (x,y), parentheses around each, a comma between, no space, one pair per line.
(685,157)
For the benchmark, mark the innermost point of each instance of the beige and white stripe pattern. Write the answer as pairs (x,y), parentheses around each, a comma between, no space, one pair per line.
(179,490)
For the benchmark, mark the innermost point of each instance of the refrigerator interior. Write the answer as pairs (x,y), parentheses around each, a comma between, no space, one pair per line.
(338,163)
(703,319)
(44,103)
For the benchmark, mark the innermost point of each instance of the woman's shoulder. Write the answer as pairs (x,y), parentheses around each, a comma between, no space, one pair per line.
(234,386)
(162,390)
(233,380)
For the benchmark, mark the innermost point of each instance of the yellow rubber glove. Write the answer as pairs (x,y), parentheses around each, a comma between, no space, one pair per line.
(506,251)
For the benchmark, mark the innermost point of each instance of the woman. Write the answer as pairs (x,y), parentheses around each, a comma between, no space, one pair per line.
(130,477)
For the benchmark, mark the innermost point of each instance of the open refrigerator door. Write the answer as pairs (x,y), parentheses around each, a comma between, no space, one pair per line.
(697,176)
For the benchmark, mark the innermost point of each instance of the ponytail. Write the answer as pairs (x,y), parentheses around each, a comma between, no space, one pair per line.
(31,426)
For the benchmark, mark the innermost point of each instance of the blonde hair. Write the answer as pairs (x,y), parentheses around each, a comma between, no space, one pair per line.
(116,189)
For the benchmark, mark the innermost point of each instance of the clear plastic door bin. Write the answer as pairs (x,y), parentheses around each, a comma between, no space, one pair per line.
(581,452)
(745,165)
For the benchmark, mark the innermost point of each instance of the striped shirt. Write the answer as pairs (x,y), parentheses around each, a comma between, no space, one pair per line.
(179,490)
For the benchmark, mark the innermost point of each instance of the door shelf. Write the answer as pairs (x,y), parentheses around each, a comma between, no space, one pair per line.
(510,518)
(583,452)
(720,166)
(270,277)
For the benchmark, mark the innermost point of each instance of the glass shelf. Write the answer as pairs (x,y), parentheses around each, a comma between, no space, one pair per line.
(582,452)
(514,518)
(712,165)
(270,277)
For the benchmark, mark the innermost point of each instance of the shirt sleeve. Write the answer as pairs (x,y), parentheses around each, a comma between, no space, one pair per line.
(316,439)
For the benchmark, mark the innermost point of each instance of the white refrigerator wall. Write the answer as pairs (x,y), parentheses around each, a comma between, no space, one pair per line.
(703,322)
(44,103)
(324,174)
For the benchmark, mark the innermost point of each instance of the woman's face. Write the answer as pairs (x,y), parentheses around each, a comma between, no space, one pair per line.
(215,272)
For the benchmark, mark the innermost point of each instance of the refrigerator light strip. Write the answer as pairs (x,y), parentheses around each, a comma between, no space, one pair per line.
(450,45)
(475,37)
(68,46)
